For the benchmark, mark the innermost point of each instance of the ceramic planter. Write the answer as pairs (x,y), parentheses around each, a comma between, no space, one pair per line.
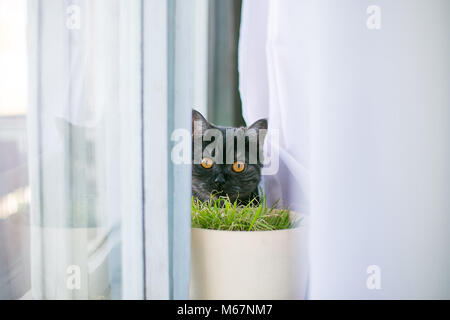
(249,264)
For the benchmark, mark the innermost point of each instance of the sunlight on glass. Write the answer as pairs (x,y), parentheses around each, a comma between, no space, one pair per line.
(13,60)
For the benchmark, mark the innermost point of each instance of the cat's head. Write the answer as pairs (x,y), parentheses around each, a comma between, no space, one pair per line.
(227,161)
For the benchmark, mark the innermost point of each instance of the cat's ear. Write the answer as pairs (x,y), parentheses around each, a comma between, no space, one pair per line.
(261,128)
(199,122)
(260,124)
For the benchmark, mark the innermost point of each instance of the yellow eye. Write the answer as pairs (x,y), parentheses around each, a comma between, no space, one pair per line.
(238,166)
(207,163)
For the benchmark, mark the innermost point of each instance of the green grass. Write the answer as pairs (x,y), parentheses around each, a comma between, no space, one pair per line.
(222,214)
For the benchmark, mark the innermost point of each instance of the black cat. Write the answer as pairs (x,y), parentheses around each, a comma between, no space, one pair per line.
(226,169)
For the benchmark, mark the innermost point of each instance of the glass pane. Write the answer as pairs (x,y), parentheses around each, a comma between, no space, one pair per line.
(14,189)
(71,225)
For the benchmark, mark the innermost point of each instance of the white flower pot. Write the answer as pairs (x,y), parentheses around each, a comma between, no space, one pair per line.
(249,264)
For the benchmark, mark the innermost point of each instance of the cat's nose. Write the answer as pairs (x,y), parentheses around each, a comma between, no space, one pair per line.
(220,179)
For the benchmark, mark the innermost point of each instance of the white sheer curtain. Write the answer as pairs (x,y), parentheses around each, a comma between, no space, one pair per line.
(110,80)
(361,89)
(85,149)
(270,80)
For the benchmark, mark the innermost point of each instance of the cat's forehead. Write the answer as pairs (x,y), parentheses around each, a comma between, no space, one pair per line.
(225,134)
(231,130)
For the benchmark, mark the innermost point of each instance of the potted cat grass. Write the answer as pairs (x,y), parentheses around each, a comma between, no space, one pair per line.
(247,252)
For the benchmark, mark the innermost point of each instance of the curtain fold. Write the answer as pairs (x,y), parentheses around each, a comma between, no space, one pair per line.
(359,92)
(109,82)
(84,175)
(274,85)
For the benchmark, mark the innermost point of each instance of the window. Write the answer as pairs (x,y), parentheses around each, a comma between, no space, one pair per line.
(89,194)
